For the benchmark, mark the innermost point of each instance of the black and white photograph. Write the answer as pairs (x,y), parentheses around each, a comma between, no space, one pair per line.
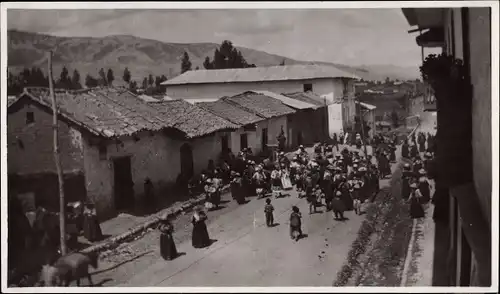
(249,146)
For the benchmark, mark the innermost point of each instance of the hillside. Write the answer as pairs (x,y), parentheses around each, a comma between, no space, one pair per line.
(141,56)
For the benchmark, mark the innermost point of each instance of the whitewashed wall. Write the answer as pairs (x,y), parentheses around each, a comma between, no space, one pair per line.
(211,91)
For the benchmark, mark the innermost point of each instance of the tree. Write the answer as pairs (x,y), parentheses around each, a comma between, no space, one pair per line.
(132,86)
(126,76)
(157,81)
(64,80)
(282,62)
(91,82)
(185,63)
(145,83)
(197,68)
(387,80)
(102,78)
(75,80)
(110,77)
(207,64)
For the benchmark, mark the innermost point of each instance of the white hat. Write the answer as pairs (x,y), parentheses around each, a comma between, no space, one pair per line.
(422,171)
(338,193)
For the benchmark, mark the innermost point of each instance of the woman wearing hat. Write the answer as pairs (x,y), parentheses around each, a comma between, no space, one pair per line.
(199,237)
(276,181)
(407,175)
(168,250)
(416,208)
(423,186)
(327,186)
(91,228)
(237,188)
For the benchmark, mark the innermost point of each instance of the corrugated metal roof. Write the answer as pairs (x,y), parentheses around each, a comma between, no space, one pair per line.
(260,104)
(273,73)
(231,112)
(297,104)
(307,97)
(192,120)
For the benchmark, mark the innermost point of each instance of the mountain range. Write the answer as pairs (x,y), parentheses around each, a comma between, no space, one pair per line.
(146,56)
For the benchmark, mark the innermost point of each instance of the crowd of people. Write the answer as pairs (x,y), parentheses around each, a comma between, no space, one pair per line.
(328,178)
(416,188)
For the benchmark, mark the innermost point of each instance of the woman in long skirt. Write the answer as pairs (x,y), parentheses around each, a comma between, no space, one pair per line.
(199,238)
(276,182)
(416,208)
(237,189)
(168,250)
(91,228)
(423,187)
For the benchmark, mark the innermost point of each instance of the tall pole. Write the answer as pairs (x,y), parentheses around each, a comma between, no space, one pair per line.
(362,122)
(57,160)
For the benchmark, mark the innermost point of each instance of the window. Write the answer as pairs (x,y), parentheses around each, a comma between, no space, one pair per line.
(243,141)
(103,150)
(308,87)
(30,117)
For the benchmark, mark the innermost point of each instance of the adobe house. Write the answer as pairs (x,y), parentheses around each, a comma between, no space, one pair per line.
(110,142)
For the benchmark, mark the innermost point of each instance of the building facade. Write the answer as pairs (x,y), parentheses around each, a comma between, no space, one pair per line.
(110,143)
(464,33)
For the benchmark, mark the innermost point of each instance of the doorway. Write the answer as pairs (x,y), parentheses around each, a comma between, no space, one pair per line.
(225,143)
(300,139)
(243,141)
(187,168)
(123,184)
(264,139)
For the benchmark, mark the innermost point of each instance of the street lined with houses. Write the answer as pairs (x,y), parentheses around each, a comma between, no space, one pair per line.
(241,168)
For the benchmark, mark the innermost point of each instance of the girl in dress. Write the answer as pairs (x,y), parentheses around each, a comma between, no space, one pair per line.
(199,238)
(295,224)
(168,250)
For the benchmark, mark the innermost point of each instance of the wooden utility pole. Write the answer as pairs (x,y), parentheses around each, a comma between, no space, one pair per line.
(362,123)
(57,160)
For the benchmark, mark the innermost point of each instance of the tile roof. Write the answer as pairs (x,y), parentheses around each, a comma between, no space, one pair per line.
(113,113)
(231,112)
(272,73)
(307,97)
(294,103)
(194,121)
(260,104)
(103,112)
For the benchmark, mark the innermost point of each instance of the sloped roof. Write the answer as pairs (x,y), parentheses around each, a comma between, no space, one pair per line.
(103,112)
(272,73)
(113,113)
(297,104)
(11,100)
(231,112)
(196,101)
(307,97)
(194,121)
(260,104)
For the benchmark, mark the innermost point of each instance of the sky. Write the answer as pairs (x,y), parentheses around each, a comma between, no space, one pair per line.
(348,36)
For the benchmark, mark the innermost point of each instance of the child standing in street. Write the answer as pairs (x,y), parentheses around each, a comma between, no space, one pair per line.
(268,210)
(295,223)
